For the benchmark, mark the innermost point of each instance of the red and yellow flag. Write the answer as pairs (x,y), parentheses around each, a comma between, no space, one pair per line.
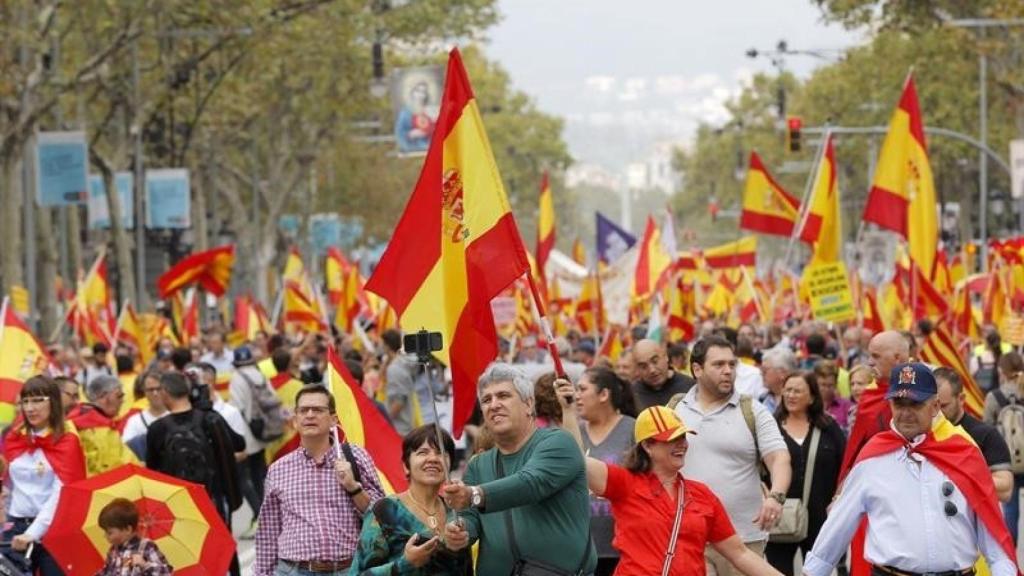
(301,312)
(590,307)
(335,268)
(822,227)
(902,197)
(294,269)
(652,263)
(210,269)
(940,350)
(250,318)
(130,331)
(612,345)
(767,207)
(446,284)
(742,252)
(364,426)
(21,357)
(348,306)
(682,312)
(545,227)
(579,252)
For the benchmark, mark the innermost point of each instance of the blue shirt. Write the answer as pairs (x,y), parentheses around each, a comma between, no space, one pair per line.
(908,528)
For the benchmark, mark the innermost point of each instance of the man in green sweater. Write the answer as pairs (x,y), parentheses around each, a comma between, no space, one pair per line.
(533,481)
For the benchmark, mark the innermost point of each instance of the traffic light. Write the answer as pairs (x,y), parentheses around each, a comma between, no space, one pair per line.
(793,125)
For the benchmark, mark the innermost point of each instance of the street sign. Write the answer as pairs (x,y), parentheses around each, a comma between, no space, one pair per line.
(1017,168)
(877,258)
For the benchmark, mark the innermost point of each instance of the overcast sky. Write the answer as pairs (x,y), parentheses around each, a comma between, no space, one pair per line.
(629,73)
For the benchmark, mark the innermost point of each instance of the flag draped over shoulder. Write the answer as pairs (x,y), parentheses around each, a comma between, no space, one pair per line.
(21,357)
(210,269)
(456,245)
(767,207)
(902,197)
(822,227)
(364,425)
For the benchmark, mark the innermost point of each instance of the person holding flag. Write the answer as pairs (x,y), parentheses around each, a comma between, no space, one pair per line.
(925,491)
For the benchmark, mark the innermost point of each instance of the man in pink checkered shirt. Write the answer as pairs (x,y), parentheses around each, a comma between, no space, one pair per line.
(313,507)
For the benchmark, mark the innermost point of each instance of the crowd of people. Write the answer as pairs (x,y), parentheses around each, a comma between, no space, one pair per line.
(736,454)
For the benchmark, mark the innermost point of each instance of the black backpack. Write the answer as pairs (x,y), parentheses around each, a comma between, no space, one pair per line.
(186,452)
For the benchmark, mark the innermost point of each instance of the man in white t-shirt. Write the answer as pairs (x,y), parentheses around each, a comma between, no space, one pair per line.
(135,429)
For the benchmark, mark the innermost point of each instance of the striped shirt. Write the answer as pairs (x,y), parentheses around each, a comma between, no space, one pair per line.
(306,514)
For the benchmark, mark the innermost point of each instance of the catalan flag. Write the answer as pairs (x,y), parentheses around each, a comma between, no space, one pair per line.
(21,357)
(456,245)
(211,269)
(364,426)
(940,350)
(822,227)
(767,207)
(902,196)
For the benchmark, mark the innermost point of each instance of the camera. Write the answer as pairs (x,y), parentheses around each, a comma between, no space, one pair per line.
(198,391)
(422,344)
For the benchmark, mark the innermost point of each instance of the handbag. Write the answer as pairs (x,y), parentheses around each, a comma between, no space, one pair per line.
(674,539)
(792,524)
(527,566)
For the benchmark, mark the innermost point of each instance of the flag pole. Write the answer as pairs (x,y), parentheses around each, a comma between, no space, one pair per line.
(120,319)
(805,208)
(545,326)
(332,354)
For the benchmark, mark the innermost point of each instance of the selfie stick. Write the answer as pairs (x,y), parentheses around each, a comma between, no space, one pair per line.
(423,355)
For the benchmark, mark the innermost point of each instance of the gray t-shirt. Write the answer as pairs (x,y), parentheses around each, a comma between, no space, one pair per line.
(611,451)
(401,384)
(722,455)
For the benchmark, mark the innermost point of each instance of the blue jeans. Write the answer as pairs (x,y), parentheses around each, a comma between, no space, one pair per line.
(41,559)
(1011,510)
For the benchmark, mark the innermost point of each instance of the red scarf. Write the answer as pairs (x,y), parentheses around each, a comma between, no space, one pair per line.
(65,455)
(961,460)
(88,417)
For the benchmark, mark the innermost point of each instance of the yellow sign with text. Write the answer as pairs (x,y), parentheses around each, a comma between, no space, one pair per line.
(829,289)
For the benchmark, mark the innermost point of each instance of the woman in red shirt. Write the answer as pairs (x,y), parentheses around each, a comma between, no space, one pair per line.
(644,496)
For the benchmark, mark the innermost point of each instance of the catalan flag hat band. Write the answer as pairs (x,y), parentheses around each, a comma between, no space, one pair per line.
(659,423)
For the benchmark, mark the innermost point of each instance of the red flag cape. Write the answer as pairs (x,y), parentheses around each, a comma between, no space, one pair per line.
(961,460)
(873,416)
(65,455)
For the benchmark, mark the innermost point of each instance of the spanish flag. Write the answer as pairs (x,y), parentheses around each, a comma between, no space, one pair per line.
(129,331)
(456,245)
(822,227)
(742,252)
(335,269)
(294,269)
(545,227)
(652,263)
(767,207)
(348,306)
(682,313)
(210,269)
(612,345)
(301,311)
(364,426)
(250,318)
(21,357)
(590,307)
(902,197)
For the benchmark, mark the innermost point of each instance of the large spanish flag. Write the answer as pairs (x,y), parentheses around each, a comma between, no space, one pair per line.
(767,207)
(364,426)
(456,245)
(652,262)
(822,227)
(21,357)
(902,197)
(545,227)
(211,269)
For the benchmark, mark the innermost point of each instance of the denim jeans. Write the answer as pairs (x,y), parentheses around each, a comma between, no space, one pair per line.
(41,559)
(1011,510)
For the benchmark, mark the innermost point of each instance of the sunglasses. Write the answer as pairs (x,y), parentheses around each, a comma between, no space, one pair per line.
(949,508)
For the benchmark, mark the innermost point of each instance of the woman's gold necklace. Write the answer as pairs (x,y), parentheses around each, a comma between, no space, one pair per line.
(431,516)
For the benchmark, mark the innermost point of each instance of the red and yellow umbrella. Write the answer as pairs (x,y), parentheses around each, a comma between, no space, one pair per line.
(177,515)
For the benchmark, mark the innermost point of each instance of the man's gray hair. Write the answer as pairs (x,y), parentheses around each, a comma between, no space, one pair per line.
(501,372)
(779,357)
(101,385)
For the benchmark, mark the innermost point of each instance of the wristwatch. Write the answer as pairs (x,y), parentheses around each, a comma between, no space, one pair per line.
(357,490)
(779,497)
(476,496)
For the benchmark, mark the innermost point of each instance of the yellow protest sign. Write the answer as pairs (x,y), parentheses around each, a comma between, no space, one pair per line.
(1012,329)
(829,291)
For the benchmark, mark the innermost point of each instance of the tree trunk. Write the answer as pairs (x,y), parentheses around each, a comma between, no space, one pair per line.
(11,256)
(74,238)
(122,250)
(46,297)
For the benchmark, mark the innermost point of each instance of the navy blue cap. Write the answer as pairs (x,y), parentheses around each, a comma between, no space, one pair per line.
(243,356)
(913,381)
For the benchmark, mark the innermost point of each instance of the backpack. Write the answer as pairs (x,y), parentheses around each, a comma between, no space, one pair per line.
(986,376)
(1010,423)
(267,421)
(186,452)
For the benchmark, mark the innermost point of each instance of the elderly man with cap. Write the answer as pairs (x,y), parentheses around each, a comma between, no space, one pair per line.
(925,491)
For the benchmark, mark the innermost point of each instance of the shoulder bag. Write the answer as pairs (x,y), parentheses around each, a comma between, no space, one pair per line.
(527,566)
(792,525)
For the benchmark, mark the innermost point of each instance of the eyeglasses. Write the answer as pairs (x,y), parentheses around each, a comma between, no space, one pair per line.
(33,401)
(314,410)
(949,508)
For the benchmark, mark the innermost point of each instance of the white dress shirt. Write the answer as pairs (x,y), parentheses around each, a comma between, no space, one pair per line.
(908,529)
(35,490)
